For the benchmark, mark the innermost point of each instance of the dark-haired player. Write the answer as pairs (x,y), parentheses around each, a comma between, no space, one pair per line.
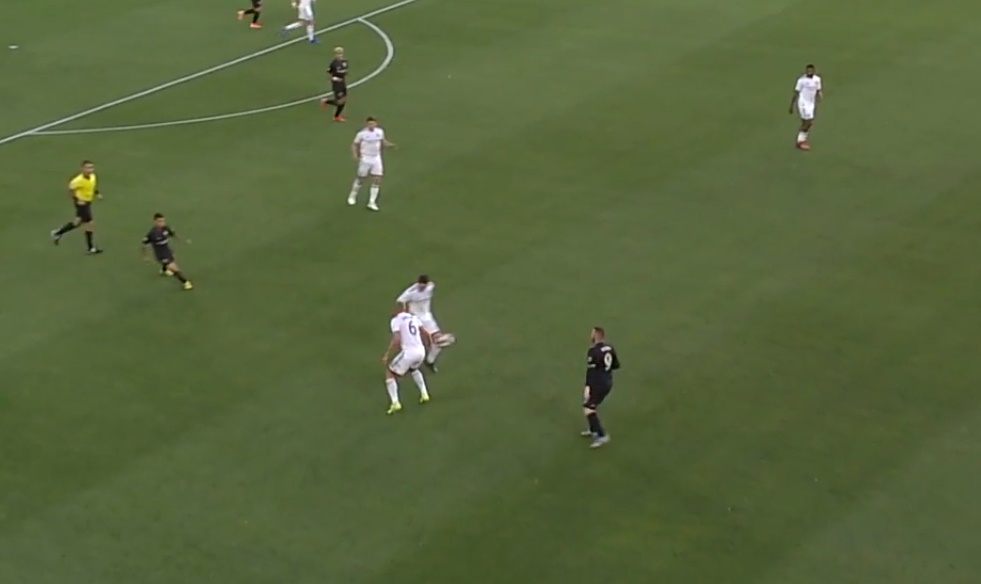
(158,238)
(338,84)
(601,362)
(255,12)
(417,300)
(83,189)
(808,93)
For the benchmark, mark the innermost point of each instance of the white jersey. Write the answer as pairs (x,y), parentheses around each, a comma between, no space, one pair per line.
(807,89)
(410,332)
(370,142)
(420,302)
(304,9)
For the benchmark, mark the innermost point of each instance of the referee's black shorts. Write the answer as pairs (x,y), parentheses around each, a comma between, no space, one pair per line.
(595,396)
(83,211)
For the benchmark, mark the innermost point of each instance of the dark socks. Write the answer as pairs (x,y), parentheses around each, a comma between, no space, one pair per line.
(594,425)
(255,16)
(65,229)
(180,277)
(89,240)
(330,101)
(340,110)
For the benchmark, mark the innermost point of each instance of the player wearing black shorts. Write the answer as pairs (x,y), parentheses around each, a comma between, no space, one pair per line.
(158,239)
(255,11)
(601,362)
(338,84)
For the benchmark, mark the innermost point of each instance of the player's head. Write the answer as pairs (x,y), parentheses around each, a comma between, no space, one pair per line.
(159,220)
(88,167)
(423,281)
(339,52)
(597,334)
(371,123)
(399,309)
(810,70)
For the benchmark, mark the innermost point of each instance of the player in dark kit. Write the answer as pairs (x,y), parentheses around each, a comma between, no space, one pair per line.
(601,362)
(255,11)
(158,238)
(338,84)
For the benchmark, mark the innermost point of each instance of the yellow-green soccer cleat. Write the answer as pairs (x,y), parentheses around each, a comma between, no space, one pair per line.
(394,408)
(188,285)
(424,399)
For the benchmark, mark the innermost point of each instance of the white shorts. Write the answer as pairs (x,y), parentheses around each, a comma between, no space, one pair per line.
(405,362)
(806,110)
(371,167)
(304,13)
(429,323)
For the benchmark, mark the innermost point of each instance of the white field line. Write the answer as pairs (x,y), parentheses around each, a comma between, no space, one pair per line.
(389,57)
(198,75)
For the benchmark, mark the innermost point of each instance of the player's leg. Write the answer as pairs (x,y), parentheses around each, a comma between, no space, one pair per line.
(359,179)
(806,121)
(338,99)
(396,368)
(255,12)
(435,348)
(174,270)
(87,223)
(419,380)
(375,190)
(57,234)
(590,407)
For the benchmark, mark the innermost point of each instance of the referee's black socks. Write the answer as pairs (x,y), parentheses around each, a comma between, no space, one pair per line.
(594,424)
(89,241)
(65,229)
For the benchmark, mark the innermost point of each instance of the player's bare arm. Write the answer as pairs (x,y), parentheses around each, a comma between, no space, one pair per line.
(387,144)
(356,151)
(793,101)
(395,342)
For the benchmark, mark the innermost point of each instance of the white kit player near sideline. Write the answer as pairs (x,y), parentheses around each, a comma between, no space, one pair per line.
(407,335)
(304,17)
(417,300)
(367,150)
(808,93)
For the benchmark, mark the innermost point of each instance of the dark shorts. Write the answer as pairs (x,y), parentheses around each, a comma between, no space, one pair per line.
(596,397)
(83,211)
(164,256)
(256,3)
(339,89)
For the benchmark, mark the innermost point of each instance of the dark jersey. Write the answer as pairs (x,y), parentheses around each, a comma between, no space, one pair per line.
(159,239)
(338,70)
(601,362)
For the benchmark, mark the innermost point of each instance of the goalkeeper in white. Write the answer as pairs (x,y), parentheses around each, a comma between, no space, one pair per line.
(417,300)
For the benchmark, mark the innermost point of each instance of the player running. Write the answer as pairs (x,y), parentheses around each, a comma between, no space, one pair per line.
(304,17)
(407,335)
(367,152)
(807,95)
(417,300)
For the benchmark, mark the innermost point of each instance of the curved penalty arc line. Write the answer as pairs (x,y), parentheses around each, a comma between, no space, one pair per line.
(386,62)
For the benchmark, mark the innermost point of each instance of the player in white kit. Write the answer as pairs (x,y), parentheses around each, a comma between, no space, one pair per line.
(807,95)
(417,300)
(304,17)
(367,150)
(407,335)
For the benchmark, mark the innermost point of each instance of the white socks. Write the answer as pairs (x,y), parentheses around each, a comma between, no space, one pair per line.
(420,383)
(373,197)
(293,26)
(393,390)
(801,137)
(355,187)
(433,353)
(310,32)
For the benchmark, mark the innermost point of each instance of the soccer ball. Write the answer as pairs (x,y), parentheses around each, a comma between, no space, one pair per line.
(445,340)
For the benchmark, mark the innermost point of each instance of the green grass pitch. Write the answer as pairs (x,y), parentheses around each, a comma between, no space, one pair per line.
(799,401)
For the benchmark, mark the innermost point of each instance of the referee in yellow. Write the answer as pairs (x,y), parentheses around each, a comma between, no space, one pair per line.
(82,189)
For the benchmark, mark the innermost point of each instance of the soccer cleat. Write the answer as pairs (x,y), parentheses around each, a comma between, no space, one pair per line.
(241,14)
(314,41)
(188,286)
(430,366)
(255,25)
(94,251)
(394,408)
(55,238)
(373,207)
(352,201)
(339,119)
(587,434)
(804,146)
(424,399)
(599,441)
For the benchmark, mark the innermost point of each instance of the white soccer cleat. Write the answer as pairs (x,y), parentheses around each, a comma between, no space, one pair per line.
(352,201)
(373,207)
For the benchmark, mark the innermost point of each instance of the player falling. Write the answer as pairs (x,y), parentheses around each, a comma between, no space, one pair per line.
(367,150)
(304,17)
(407,335)
(417,300)
(807,95)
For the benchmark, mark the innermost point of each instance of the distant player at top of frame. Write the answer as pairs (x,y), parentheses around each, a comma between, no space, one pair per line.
(417,300)
(367,148)
(304,17)
(808,93)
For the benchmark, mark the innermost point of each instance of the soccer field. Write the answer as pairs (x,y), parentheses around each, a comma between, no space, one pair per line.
(799,331)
